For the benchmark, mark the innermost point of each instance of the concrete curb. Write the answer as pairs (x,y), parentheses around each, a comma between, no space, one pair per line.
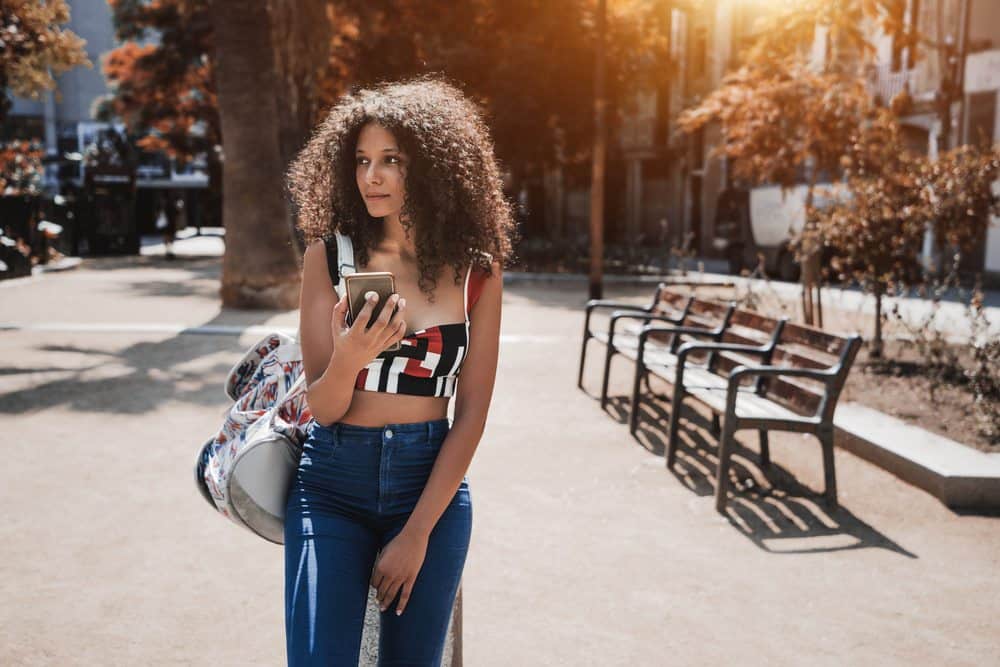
(708,280)
(958,476)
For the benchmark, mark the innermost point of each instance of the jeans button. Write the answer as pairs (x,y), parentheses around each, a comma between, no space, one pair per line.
(388,433)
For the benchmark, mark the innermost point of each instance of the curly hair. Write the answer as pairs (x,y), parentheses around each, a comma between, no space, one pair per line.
(453,189)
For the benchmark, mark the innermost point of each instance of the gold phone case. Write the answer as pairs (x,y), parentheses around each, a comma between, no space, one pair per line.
(359,284)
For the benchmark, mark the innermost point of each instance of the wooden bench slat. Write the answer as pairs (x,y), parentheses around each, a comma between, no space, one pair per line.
(748,405)
(813,338)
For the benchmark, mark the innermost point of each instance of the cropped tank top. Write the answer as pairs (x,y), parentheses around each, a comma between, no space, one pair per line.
(428,361)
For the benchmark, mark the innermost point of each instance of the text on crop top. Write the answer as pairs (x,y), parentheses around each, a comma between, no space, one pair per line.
(428,361)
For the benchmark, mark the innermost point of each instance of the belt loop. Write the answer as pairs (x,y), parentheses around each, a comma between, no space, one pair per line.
(430,430)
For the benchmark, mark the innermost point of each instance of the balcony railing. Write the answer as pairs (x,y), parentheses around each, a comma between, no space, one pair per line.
(886,84)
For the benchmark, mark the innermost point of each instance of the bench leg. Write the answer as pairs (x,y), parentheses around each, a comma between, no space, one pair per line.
(716,429)
(633,415)
(675,420)
(607,373)
(829,473)
(583,358)
(726,443)
(765,450)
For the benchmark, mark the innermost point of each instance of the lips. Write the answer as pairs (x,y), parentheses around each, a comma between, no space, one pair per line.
(377,196)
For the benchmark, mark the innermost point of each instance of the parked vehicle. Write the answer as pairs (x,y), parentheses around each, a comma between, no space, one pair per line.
(761,222)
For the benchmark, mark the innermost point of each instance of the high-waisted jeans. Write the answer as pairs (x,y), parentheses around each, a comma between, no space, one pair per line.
(354,490)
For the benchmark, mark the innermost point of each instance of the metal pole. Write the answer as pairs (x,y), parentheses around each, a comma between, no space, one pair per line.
(597,172)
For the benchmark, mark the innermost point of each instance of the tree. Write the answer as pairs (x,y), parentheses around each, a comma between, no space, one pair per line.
(780,120)
(891,197)
(876,225)
(530,63)
(33,46)
(782,114)
(260,265)
(164,90)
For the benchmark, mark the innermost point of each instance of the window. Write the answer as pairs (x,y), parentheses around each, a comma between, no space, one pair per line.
(982,118)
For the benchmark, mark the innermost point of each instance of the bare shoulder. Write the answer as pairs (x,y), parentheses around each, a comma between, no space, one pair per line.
(314,268)
(495,274)
(315,251)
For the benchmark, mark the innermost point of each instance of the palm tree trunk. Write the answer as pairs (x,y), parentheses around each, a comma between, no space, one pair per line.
(260,267)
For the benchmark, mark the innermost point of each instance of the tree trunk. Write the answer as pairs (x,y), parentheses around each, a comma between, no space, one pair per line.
(260,266)
(300,34)
(876,348)
(812,309)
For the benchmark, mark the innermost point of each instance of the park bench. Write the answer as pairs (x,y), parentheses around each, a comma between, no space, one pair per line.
(664,307)
(685,314)
(796,374)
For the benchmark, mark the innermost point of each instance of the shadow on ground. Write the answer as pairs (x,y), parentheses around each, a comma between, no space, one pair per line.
(768,505)
(142,376)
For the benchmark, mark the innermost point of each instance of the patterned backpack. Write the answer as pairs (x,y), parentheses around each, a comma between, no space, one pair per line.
(246,469)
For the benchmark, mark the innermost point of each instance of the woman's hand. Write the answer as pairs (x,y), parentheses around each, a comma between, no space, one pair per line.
(397,567)
(358,343)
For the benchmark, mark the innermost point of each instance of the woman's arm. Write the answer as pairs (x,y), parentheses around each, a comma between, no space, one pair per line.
(472,403)
(329,379)
(401,559)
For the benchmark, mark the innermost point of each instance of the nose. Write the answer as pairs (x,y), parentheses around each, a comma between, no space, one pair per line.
(371,176)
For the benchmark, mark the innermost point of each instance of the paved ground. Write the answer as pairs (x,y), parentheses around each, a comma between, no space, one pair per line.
(585,550)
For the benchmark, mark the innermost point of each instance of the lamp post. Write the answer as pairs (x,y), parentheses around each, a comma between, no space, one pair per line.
(597,170)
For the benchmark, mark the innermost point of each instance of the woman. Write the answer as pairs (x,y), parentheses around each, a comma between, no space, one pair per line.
(381,498)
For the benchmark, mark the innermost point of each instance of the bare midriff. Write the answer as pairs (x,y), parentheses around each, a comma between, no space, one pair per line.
(374,408)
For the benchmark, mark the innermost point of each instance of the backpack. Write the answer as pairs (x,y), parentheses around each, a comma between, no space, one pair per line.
(245,470)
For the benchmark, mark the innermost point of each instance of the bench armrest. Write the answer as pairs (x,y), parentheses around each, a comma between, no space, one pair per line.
(607,303)
(712,334)
(827,375)
(694,331)
(647,315)
(696,346)
(693,346)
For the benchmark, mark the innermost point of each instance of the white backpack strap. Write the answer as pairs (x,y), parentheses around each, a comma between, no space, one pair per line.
(345,259)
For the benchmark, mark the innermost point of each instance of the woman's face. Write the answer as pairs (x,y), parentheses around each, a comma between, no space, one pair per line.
(380,167)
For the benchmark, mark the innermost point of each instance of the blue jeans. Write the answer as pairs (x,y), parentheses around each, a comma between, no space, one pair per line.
(354,490)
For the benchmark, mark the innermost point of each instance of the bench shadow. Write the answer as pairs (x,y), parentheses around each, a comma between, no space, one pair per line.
(769,506)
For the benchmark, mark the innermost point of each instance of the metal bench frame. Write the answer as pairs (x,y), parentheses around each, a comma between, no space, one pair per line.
(648,313)
(820,424)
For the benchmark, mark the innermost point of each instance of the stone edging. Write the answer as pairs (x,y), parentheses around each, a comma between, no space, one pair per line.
(959,476)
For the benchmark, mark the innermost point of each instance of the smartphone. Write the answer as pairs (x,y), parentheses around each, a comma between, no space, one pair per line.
(360,283)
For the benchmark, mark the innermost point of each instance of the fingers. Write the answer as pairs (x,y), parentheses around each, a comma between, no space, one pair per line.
(381,325)
(404,597)
(388,324)
(366,311)
(395,326)
(387,594)
(339,317)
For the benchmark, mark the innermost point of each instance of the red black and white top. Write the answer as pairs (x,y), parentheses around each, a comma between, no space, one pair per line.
(428,361)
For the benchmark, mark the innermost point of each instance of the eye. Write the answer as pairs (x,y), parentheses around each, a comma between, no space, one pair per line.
(360,160)
(392,157)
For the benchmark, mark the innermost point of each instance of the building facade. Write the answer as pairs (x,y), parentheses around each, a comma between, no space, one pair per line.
(672,181)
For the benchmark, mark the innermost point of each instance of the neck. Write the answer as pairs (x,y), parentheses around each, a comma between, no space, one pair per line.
(395,238)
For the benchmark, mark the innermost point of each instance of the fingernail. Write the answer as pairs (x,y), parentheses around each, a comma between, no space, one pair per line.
(402,301)
(399,612)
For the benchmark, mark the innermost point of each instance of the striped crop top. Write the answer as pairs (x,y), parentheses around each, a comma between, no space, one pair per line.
(428,361)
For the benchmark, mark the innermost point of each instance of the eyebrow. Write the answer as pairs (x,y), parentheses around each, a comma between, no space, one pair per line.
(384,150)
